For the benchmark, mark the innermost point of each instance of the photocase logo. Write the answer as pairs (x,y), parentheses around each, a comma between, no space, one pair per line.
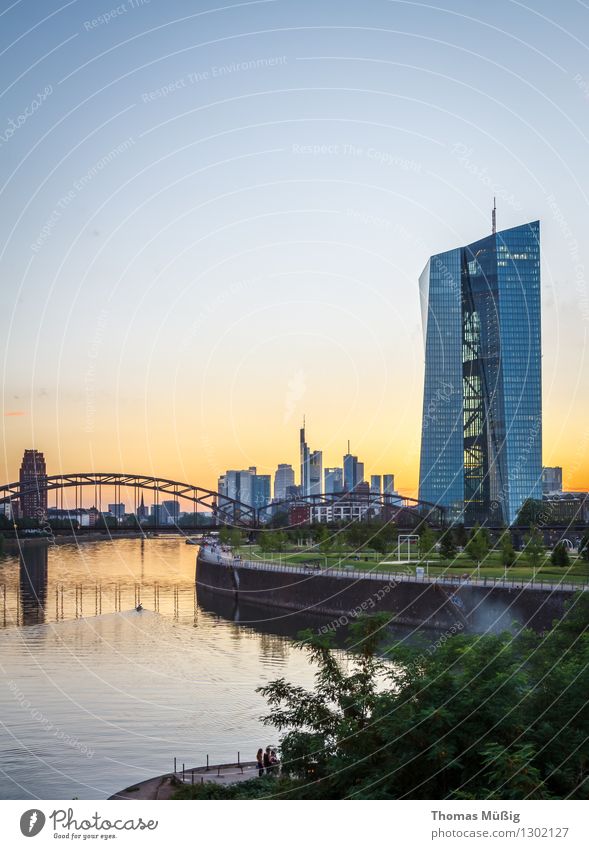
(32,822)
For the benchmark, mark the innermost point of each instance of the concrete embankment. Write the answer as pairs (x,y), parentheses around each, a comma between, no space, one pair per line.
(164,786)
(475,605)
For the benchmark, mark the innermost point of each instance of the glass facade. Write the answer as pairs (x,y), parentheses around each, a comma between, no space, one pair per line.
(481,442)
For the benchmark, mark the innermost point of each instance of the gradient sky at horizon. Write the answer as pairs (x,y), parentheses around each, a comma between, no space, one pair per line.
(213,221)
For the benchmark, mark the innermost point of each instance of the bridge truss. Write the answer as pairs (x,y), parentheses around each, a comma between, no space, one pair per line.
(225,510)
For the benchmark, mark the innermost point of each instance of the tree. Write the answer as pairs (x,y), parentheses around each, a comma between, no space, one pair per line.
(323,540)
(427,541)
(357,535)
(448,708)
(326,724)
(280,541)
(508,555)
(235,539)
(534,548)
(447,545)
(267,541)
(272,541)
(225,535)
(584,546)
(478,545)
(560,555)
(380,544)
(339,544)
(460,535)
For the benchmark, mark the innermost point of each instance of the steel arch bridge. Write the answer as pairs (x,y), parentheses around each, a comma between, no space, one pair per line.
(395,507)
(225,510)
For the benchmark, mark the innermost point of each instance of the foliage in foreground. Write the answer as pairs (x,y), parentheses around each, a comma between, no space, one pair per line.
(255,788)
(491,716)
(481,717)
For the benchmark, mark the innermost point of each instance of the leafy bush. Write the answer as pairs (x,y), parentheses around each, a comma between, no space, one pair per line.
(255,788)
(492,716)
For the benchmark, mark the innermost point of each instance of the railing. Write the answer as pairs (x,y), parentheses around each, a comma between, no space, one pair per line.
(229,772)
(395,577)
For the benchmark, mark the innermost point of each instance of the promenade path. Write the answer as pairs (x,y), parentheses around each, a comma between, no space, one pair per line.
(164,786)
(395,577)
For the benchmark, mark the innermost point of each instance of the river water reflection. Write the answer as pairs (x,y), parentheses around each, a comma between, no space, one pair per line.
(95,696)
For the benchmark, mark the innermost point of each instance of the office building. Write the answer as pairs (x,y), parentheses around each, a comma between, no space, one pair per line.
(156,514)
(245,485)
(315,472)
(170,512)
(33,477)
(375,484)
(311,466)
(481,443)
(283,478)
(304,455)
(260,486)
(551,479)
(388,484)
(334,480)
(117,510)
(353,471)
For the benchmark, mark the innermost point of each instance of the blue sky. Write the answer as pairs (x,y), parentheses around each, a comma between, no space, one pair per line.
(213,221)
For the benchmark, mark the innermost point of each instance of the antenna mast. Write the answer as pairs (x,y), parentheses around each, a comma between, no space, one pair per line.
(494,217)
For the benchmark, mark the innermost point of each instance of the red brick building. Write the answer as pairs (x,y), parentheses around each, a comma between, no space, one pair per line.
(33,476)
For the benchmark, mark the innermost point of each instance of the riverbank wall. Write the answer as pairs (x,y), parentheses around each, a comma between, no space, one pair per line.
(442,604)
(13,545)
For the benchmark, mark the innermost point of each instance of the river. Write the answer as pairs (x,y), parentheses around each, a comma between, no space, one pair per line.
(95,696)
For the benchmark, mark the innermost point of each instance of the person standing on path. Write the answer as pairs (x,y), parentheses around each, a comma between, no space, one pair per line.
(267,764)
(260,762)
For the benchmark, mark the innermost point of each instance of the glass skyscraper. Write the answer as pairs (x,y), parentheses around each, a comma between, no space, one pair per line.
(481,438)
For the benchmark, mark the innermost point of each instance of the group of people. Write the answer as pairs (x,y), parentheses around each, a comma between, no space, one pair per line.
(267,761)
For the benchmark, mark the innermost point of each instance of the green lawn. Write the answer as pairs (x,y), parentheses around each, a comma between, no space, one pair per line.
(577,572)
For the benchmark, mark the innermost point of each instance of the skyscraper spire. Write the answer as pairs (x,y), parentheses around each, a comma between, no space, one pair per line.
(494,217)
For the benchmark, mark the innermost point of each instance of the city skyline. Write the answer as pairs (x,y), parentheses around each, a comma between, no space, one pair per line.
(294,467)
(231,231)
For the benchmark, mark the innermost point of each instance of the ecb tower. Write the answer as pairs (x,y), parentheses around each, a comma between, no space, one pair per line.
(481,437)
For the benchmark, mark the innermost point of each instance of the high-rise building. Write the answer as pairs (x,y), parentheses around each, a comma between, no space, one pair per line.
(304,458)
(388,484)
(375,484)
(353,471)
(157,514)
(311,466)
(261,490)
(245,485)
(33,476)
(117,510)
(315,472)
(481,443)
(551,479)
(334,480)
(170,512)
(283,478)
(237,484)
